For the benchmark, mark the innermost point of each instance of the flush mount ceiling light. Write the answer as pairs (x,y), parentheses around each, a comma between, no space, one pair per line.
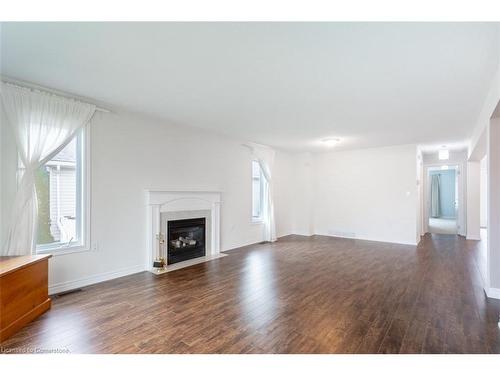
(444,154)
(330,142)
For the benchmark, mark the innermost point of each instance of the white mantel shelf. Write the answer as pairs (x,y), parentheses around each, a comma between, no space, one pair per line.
(160,201)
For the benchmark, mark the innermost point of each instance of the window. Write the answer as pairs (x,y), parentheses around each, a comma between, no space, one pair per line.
(60,188)
(257,192)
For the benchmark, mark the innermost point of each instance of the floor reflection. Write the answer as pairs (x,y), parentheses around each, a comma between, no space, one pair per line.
(258,289)
(482,254)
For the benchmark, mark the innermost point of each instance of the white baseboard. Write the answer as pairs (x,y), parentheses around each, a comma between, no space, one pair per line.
(296,234)
(94,279)
(240,246)
(279,235)
(492,292)
(473,238)
(365,238)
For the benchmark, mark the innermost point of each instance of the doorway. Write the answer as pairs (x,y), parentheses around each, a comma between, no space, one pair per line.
(443,199)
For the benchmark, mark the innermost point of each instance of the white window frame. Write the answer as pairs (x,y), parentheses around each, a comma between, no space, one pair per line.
(258,219)
(82,205)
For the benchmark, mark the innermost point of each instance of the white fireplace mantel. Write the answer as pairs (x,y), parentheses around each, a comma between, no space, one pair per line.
(160,201)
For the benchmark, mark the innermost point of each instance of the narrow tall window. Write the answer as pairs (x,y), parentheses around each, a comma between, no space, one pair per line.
(60,187)
(257,191)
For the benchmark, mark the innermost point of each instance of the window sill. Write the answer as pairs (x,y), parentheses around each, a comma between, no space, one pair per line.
(63,250)
(257,221)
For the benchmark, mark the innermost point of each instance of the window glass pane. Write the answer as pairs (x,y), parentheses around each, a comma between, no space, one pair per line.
(256,190)
(255,169)
(58,195)
(256,198)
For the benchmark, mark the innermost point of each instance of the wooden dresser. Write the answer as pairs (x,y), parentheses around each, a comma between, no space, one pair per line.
(23,291)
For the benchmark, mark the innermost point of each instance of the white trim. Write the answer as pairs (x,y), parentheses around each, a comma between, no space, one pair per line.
(294,234)
(492,292)
(83,184)
(62,250)
(303,234)
(94,279)
(66,164)
(87,186)
(461,219)
(473,238)
(365,238)
(242,246)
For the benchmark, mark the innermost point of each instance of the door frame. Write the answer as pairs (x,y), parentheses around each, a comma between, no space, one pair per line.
(461,212)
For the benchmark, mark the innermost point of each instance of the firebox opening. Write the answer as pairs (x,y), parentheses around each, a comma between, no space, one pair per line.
(186,239)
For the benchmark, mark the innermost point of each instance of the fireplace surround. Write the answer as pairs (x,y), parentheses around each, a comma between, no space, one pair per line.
(164,206)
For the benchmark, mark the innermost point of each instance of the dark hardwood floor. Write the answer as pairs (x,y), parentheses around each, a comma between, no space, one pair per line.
(299,295)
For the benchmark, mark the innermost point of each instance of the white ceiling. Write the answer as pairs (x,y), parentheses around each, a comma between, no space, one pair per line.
(288,85)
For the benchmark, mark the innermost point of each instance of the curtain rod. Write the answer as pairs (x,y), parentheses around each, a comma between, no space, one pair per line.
(33,86)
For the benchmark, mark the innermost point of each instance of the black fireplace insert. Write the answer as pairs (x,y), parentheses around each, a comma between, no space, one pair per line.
(186,239)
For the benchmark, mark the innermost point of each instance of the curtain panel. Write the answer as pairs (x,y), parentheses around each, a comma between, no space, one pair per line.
(43,124)
(265,156)
(435,196)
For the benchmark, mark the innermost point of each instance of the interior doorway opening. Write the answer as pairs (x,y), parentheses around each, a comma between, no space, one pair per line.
(443,199)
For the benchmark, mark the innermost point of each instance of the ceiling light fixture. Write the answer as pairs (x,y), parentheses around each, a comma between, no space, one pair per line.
(444,154)
(330,142)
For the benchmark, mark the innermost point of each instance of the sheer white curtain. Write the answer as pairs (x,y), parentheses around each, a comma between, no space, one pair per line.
(265,156)
(42,124)
(435,196)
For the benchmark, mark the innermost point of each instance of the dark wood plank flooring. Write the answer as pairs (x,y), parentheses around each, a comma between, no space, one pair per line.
(298,295)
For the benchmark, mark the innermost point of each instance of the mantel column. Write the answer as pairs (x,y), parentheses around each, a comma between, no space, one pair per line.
(155,229)
(216,228)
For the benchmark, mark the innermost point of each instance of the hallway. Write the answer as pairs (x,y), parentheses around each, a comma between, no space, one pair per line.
(442,226)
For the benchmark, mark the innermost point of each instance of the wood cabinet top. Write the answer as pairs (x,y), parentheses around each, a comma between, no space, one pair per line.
(9,264)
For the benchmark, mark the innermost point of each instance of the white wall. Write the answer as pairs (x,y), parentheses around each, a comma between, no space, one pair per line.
(283,178)
(493,274)
(473,200)
(483,194)
(420,200)
(303,194)
(367,194)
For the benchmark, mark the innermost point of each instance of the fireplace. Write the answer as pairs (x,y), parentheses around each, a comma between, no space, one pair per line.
(164,206)
(185,239)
